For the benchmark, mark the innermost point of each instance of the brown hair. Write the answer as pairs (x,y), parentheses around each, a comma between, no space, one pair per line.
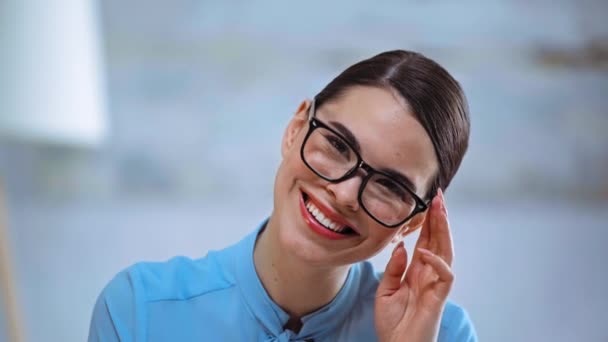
(435,97)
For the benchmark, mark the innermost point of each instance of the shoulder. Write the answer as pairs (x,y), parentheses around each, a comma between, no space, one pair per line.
(175,279)
(121,305)
(180,277)
(456,325)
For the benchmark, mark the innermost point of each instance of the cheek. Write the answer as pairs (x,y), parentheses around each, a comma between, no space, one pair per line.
(374,244)
(379,237)
(382,236)
(293,169)
(290,172)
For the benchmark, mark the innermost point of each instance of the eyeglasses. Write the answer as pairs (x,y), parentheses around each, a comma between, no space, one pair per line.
(330,156)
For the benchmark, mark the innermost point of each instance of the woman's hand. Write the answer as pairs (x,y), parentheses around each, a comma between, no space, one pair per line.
(411,309)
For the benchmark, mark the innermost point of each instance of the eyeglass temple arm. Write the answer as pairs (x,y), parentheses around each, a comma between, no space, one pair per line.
(311,110)
(428,201)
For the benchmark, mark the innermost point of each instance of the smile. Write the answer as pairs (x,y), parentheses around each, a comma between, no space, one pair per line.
(321,222)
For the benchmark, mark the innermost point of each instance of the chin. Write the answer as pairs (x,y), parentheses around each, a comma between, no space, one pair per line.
(293,240)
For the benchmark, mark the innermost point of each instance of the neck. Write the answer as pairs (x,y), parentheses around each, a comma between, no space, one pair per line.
(297,287)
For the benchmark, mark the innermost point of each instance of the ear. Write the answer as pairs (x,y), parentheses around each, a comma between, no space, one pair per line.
(410,226)
(295,126)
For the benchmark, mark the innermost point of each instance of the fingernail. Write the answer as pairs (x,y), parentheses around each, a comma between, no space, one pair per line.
(443,208)
(437,199)
(399,245)
(437,196)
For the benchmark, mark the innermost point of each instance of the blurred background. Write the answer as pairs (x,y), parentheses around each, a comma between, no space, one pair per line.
(141,130)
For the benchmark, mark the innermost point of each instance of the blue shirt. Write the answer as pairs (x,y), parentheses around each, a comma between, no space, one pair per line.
(221,298)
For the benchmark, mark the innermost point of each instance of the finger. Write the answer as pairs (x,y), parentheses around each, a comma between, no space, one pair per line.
(391,280)
(424,241)
(441,233)
(443,270)
(425,232)
(428,276)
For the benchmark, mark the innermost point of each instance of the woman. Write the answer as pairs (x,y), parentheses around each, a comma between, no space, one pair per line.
(363,164)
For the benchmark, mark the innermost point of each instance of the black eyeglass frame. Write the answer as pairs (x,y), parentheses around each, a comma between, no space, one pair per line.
(315,123)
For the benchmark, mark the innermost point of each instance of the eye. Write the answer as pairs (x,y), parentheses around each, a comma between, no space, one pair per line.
(393,187)
(338,144)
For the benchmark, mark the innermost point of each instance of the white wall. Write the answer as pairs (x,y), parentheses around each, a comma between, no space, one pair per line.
(52,86)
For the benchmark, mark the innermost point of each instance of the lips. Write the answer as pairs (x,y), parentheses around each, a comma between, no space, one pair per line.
(323,220)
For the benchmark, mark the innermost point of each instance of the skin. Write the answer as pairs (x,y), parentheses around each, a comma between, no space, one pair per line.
(412,308)
(303,271)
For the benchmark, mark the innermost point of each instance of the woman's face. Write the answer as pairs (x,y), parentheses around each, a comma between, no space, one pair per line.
(389,138)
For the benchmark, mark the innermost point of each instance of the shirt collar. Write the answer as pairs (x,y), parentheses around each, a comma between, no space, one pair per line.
(271,317)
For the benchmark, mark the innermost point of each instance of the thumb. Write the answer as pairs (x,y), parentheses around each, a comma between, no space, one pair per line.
(391,281)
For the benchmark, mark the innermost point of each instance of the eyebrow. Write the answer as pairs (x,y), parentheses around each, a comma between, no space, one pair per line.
(400,177)
(350,137)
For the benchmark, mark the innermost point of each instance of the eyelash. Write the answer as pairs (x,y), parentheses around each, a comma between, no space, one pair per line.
(392,187)
(342,149)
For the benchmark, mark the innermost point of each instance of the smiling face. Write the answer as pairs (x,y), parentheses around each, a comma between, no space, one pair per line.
(389,137)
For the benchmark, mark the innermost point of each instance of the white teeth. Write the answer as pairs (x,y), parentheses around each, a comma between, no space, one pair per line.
(321,217)
(329,224)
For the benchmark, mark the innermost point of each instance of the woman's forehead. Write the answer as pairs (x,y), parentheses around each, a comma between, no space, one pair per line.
(387,131)
(368,105)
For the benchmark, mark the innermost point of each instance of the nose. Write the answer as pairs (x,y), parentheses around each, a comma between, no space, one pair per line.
(346,193)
